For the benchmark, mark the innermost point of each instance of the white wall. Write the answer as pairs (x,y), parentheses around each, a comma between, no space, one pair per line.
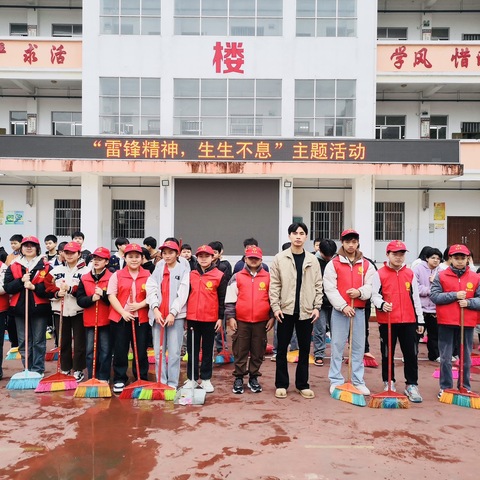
(14,199)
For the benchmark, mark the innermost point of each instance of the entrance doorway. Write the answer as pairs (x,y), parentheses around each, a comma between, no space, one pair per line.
(465,230)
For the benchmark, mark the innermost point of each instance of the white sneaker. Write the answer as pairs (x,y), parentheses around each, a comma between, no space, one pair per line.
(392,386)
(207,386)
(118,388)
(190,384)
(79,375)
(332,388)
(363,389)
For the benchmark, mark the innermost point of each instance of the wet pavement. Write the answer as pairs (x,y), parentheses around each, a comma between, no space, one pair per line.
(249,436)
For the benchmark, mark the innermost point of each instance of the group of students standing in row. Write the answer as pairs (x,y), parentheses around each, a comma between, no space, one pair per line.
(118,293)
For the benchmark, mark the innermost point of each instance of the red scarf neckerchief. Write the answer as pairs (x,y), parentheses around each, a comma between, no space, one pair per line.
(165,289)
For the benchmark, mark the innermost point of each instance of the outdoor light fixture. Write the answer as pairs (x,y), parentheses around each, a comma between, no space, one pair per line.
(165,183)
(287,183)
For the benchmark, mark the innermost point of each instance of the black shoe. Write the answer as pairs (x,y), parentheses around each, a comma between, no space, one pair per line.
(254,386)
(238,386)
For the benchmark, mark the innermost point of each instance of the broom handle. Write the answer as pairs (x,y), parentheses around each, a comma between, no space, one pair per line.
(160,364)
(221,335)
(95,336)
(389,351)
(134,337)
(26,325)
(462,353)
(350,343)
(60,327)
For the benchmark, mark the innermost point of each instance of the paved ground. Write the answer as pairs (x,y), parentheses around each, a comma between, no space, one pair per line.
(249,436)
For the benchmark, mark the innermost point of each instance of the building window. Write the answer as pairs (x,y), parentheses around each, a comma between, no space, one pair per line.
(66,30)
(469,37)
(67,123)
(389,221)
(222,107)
(440,33)
(136,17)
(392,33)
(67,216)
(18,123)
(229,17)
(325,108)
(438,127)
(128,219)
(390,127)
(326,18)
(130,106)
(19,30)
(326,220)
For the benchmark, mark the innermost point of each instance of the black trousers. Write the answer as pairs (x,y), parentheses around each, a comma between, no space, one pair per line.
(204,334)
(432,335)
(407,337)
(284,336)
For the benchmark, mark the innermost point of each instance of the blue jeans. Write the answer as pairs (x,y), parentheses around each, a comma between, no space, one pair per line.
(319,333)
(448,337)
(172,342)
(37,341)
(104,352)
(339,329)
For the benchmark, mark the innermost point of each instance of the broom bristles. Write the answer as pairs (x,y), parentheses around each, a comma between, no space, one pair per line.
(25,380)
(388,399)
(93,388)
(52,355)
(224,357)
(460,398)
(143,390)
(369,361)
(350,394)
(56,383)
(13,354)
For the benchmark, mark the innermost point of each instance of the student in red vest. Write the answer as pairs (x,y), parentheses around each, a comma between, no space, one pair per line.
(247,308)
(205,310)
(347,282)
(62,282)
(395,294)
(92,297)
(454,289)
(26,276)
(127,294)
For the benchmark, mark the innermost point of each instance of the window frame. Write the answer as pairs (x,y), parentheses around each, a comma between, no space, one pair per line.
(332,226)
(385,213)
(128,215)
(70,208)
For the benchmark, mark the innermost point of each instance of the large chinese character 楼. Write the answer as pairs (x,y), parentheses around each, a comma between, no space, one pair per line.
(232,57)
(57,54)
(29,56)
(463,55)
(399,54)
(421,58)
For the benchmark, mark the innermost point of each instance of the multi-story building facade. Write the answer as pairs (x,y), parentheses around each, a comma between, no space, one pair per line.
(225,119)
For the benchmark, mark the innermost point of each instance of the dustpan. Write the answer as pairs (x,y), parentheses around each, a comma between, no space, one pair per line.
(192,395)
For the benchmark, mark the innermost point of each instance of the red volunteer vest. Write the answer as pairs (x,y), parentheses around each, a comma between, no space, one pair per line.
(397,289)
(103,309)
(125,282)
(18,271)
(449,314)
(253,304)
(4,299)
(350,276)
(202,303)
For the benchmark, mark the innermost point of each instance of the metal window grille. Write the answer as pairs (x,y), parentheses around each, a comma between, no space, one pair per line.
(326,220)
(67,216)
(128,219)
(389,221)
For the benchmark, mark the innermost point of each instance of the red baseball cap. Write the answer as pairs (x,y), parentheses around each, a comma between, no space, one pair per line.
(133,247)
(458,248)
(72,247)
(254,252)
(171,245)
(349,231)
(102,252)
(205,249)
(396,246)
(30,239)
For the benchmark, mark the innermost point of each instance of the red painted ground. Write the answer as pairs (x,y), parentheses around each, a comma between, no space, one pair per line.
(249,436)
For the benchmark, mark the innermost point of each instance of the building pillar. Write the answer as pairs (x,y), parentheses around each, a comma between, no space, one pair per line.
(363,213)
(92,210)
(166,209)
(286,210)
